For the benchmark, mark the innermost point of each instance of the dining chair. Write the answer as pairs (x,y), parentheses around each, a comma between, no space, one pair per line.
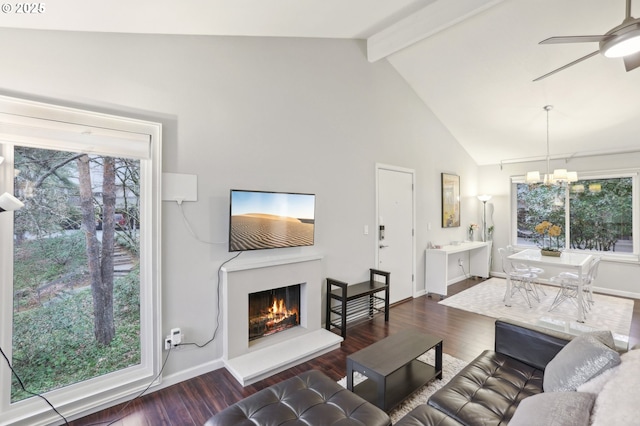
(521,267)
(521,279)
(569,285)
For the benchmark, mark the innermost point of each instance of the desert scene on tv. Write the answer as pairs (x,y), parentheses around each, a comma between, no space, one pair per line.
(268,220)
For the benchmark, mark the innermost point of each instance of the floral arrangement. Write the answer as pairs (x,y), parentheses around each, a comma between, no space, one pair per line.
(472,227)
(549,230)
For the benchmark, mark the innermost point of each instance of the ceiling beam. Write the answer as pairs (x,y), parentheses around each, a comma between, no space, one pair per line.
(433,18)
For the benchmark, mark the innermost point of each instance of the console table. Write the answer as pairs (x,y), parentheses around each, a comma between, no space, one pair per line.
(438,262)
(357,300)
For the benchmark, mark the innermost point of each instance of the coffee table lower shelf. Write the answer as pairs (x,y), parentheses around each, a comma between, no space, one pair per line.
(399,384)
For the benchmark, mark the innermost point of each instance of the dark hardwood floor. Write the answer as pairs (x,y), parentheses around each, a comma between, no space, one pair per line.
(192,402)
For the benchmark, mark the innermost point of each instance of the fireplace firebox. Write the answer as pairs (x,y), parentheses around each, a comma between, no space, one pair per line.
(272,311)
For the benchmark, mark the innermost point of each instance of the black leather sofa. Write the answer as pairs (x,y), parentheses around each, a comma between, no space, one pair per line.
(485,392)
(489,389)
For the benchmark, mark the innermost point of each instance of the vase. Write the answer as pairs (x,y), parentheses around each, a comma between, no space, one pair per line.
(552,253)
(470,235)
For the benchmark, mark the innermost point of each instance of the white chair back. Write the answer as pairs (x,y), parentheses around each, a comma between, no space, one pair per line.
(593,270)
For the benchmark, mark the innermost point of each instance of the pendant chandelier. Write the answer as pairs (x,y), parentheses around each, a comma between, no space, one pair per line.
(559,176)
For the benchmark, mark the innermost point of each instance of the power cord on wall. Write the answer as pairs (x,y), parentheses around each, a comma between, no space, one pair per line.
(28,391)
(193,234)
(464,272)
(215,330)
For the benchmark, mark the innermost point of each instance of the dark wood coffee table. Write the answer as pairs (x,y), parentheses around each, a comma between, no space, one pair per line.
(392,370)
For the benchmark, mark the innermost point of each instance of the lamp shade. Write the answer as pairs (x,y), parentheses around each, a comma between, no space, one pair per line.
(533,177)
(484,198)
(560,174)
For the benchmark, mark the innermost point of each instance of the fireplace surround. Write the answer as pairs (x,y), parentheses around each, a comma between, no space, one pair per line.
(251,361)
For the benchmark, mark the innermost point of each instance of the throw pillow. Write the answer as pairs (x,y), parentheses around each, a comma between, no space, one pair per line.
(605,336)
(619,400)
(596,384)
(583,358)
(554,409)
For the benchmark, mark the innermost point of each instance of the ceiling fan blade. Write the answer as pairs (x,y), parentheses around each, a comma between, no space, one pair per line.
(568,65)
(632,62)
(575,39)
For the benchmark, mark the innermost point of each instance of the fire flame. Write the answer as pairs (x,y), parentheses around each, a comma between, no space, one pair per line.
(279,311)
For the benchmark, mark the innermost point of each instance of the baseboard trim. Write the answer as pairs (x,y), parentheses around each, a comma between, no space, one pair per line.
(189,373)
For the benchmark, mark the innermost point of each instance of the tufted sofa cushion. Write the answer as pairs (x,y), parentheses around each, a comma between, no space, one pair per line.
(310,398)
(424,414)
(488,390)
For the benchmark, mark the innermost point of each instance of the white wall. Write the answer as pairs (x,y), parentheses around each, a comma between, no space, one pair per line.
(614,277)
(253,113)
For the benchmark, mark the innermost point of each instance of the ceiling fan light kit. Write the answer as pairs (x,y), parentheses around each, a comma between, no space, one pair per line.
(622,41)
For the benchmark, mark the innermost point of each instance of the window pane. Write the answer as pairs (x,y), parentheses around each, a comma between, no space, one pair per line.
(536,204)
(76,310)
(601,215)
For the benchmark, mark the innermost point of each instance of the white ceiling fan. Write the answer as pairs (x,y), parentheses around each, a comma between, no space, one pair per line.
(622,41)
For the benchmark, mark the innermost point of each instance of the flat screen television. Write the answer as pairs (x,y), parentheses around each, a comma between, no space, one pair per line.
(266,220)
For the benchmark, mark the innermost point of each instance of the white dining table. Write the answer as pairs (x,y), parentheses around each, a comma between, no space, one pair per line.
(574,262)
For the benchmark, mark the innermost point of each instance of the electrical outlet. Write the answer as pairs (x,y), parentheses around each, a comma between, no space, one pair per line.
(459,262)
(173,340)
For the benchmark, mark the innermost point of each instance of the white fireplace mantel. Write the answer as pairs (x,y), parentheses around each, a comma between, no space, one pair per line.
(253,361)
(264,262)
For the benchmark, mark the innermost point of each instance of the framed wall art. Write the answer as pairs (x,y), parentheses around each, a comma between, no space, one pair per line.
(450,200)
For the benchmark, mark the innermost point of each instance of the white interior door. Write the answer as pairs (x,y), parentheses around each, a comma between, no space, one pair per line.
(395,245)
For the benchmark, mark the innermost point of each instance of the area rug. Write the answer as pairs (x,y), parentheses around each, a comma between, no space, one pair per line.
(607,313)
(450,367)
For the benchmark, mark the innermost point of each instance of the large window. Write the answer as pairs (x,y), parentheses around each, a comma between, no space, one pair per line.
(80,262)
(76,278)
(595,214)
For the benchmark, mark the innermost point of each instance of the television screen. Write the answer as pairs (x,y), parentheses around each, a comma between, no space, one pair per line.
(265,220)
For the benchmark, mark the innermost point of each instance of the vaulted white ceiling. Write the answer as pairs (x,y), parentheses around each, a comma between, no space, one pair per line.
(471,61)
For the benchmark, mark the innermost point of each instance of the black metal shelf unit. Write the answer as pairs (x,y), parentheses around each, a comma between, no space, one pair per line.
(353,301)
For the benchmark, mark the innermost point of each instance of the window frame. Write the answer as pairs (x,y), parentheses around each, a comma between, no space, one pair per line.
(609,174)
(109,131)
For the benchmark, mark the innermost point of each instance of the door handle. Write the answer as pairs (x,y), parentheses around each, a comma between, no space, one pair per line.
(383,246)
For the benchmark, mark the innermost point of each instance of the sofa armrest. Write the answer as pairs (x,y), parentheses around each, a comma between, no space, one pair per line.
(533,345)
